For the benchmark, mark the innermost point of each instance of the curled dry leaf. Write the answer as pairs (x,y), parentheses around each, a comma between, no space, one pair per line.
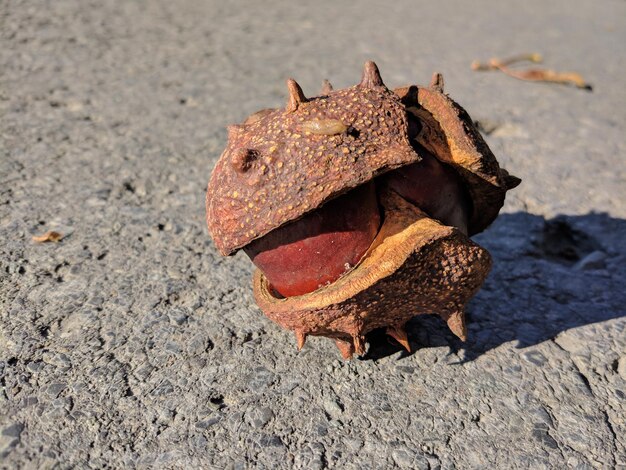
(531,75)
(495,63)
(547,75)
(49,236)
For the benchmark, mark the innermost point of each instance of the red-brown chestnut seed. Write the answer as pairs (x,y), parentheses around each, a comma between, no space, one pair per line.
(433,187)
(317,249)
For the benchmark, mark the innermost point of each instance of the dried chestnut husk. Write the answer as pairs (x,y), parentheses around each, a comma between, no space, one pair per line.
(356,207)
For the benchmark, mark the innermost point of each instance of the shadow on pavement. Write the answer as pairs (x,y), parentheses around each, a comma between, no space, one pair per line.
(549,276)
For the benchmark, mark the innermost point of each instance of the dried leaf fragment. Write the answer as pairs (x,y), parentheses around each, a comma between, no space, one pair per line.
(49,236)
(531,75)
(547,75)
(495,63)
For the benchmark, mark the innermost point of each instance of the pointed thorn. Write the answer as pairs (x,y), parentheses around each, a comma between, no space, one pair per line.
(326,87)
(456,323)
(359,344)
(300,338)
(399,334)
(511,181)
(371,76)
(233,131)
(436,82)
(296,96)
(345,348)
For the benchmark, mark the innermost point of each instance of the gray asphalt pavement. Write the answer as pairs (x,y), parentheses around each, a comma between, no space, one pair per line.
(132,344)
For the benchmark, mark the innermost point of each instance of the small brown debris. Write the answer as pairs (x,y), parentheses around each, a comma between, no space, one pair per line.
(534,74)
(49,236)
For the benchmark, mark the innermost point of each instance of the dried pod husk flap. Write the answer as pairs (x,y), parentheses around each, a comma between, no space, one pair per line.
(447,131)
(280,164)
(415,266)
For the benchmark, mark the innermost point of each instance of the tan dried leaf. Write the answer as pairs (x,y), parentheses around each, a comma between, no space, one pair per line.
(531,75)
(547,75)
(495,63)
(49,236)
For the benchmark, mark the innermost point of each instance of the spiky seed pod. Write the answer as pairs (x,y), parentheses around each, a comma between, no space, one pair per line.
(280,179)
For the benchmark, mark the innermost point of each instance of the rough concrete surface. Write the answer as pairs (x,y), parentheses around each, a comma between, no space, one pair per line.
(132,343)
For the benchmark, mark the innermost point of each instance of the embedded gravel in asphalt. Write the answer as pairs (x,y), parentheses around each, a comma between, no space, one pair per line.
(132,343)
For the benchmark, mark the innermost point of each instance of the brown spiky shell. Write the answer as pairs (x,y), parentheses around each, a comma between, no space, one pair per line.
(283,163)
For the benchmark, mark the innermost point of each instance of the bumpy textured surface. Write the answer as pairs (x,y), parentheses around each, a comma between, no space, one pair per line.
(415,266)
(133,343)
(381,291)
(290,170)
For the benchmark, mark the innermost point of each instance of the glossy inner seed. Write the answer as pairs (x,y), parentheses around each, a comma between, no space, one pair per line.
(435,188)
(317,249)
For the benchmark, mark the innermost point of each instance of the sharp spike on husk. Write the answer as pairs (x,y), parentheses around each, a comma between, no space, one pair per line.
(436,82)
(300,338)
(296,96)
(359,344)
(371,76)
(233,131)
(511,181)
(456,323)
(326,87)
(345,348)
(399,334)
